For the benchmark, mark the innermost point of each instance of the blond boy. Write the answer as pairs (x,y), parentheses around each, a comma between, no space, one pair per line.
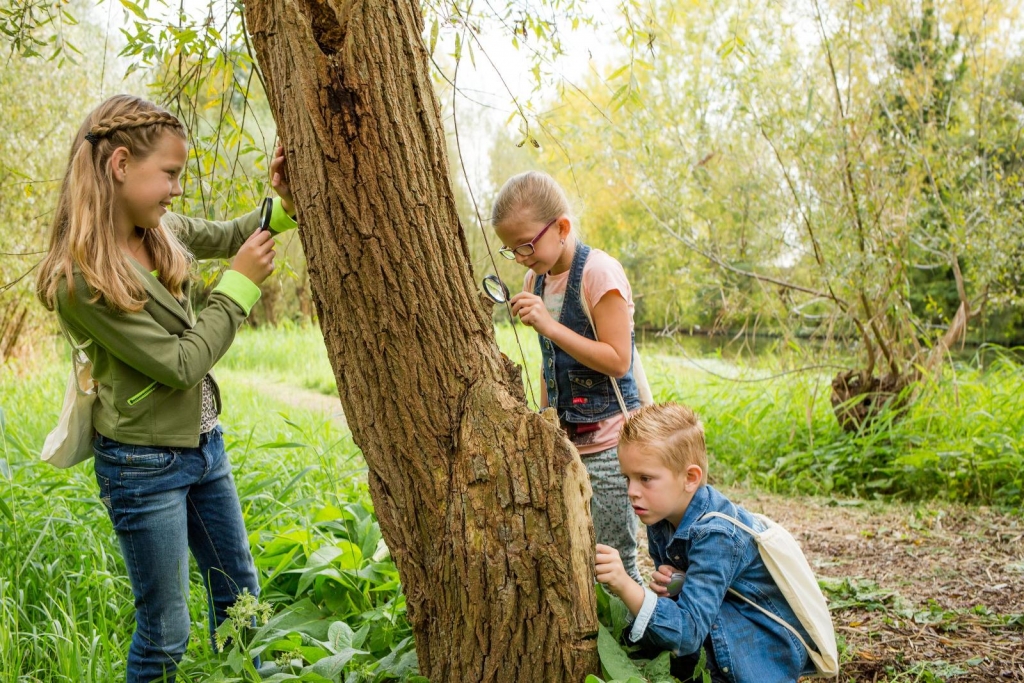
(663,457)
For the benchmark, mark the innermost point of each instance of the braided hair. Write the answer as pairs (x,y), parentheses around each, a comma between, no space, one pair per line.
(82,236)
(125,122)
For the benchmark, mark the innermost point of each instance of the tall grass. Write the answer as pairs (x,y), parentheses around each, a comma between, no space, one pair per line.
(66,609)
(961,439)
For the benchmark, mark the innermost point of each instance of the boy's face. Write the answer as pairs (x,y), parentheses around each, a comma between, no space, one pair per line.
(655,491)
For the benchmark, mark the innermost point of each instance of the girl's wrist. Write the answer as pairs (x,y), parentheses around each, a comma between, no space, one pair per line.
(289,206)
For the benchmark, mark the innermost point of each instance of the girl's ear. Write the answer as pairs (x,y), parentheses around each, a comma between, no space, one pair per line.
(564,227)
(119,163)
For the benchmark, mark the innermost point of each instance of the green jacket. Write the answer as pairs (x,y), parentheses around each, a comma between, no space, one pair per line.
(150,365)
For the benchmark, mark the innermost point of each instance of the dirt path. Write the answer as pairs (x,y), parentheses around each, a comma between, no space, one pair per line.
(299,397)
(927,592)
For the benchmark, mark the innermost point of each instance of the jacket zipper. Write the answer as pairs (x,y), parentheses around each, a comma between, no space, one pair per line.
(142,394)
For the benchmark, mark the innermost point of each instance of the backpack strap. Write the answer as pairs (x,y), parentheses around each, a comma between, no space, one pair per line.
(771,615)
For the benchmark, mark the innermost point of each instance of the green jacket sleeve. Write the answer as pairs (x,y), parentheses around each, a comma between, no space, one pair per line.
(222,239)
(142,340)
(213,239)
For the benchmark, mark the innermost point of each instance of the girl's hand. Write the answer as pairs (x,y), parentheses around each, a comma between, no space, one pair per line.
(660,580)
(255,259)
(280,181)
(531,310)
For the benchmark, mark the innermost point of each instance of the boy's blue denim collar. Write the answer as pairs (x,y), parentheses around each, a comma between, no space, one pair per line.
(699,505)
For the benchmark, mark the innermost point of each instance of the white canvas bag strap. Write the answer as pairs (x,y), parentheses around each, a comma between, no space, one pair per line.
(67,334)
(615,384)
(78,359)
(774,617)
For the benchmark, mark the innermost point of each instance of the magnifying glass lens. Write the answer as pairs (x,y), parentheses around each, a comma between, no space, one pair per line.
(495,289)
(266,214)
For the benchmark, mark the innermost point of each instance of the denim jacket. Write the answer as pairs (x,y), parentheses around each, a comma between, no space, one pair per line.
(579,394)
(748,647)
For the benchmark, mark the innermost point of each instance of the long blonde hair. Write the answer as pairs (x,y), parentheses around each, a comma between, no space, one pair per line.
(82,234)
(534,193)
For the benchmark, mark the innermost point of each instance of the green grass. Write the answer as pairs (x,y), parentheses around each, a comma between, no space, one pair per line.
(65,603)
(961,439)
(767,427)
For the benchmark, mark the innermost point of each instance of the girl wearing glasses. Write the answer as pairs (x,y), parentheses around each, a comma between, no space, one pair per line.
(568,284)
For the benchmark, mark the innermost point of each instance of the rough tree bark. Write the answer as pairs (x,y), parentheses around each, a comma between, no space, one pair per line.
(481,501)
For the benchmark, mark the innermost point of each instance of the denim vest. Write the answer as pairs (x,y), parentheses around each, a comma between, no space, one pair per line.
(579,394)
(748,646)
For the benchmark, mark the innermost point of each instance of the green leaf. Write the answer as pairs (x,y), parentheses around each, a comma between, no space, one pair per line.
(660,668)
(615,663)
(340,636)
(434,28)
(6,510)
(331,667)
(134,9)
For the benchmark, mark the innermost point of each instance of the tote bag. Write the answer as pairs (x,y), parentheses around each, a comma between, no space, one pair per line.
(70,442)
(788,566)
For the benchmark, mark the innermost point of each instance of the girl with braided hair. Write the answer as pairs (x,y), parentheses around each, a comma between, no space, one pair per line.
(117,274)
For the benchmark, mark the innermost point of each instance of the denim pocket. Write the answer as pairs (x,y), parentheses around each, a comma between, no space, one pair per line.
(590,392)
(104,484)
(131,460)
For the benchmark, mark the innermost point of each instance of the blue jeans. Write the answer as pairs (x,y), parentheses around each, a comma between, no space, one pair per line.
(163,502)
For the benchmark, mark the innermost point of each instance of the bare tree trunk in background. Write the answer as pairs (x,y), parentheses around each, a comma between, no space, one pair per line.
(482,502)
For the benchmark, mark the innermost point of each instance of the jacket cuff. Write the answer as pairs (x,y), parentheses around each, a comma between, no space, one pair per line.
(279,219)
(239,289)
(643,617)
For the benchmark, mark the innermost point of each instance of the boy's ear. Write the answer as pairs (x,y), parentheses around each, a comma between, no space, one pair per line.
(119,162)
(694,475)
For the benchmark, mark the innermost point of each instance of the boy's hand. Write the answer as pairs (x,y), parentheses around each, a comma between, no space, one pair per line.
(609,570)
(280,181)
(255,259)
(531,310)
(660,580)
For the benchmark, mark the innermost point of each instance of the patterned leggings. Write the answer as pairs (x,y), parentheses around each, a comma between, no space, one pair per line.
(615,524)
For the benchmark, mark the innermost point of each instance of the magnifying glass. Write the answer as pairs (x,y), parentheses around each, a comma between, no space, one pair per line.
(266,212)
(496,289)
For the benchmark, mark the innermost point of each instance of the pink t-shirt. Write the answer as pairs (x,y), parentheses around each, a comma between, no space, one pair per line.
(601,274)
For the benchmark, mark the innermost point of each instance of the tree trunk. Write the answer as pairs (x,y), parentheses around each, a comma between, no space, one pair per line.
(482,502)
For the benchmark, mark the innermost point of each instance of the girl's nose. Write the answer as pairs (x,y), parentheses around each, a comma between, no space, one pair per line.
(176,189)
